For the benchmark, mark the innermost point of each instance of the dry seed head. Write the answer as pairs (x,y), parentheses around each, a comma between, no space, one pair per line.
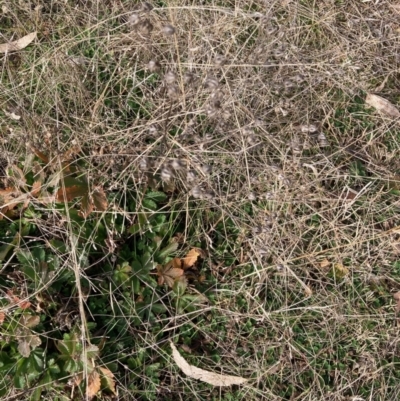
(173,91)
(219,60)
(170,77)
(205,168)
(251,196)
(153,130)
(311,128)
(133,19)
(211,83)
(146,27)
(143,164)
(197,192)
(146,7)
(166,174)
(191,176)
(323,143)
(178,164)
(153,66)
(188,78)
(168,30)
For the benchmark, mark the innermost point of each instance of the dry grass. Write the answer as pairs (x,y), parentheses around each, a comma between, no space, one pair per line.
(255,112)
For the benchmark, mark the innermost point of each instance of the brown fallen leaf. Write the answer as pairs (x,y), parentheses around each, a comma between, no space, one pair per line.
(170,272)
(93,384)
(100,199)
(396,297)
(382,105)
(18,44)
(191,258)
(2,317)
(206,376)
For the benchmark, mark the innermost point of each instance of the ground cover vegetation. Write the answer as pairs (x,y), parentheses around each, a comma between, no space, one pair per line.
(199,200)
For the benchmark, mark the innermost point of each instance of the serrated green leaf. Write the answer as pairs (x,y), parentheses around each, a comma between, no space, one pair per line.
(19,381)
(92,351)
(135,285)
(25,257)
(158,308)
(149,204)
(156,196)
(170,248)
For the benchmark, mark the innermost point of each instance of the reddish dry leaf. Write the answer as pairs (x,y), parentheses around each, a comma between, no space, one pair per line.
(170,272)
(71,193)
(40,155)
(2,317)
(100,199)
(15,300)
(108,379)
(86,207)
(36,186)
(93,385)
(191,258)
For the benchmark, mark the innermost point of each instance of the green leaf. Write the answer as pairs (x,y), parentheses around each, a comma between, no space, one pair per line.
(158,308)
(36,394)
(25,258)
(19,381)
(92,351)
(156,196)
(149,204)
(170,248)
(136,285)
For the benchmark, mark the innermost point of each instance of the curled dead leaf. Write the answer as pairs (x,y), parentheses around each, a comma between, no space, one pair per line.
(18,44)
(206,376)
(382,105)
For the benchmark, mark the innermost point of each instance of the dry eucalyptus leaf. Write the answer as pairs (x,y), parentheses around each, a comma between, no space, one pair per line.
(382,105)
(212,378)
(17,44)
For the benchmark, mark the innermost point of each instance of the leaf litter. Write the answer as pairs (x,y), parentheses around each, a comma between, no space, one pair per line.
(18,44)
(205,376)
(382,105)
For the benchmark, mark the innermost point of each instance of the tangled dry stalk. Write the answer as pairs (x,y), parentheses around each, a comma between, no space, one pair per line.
(226,104)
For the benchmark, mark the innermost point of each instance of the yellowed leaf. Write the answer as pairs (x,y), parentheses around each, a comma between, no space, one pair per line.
(206,376)
(191,258)
(18,44)
(93,385)
(170,272)
(324,264)
(108,379)
(382,105)
(340,271)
